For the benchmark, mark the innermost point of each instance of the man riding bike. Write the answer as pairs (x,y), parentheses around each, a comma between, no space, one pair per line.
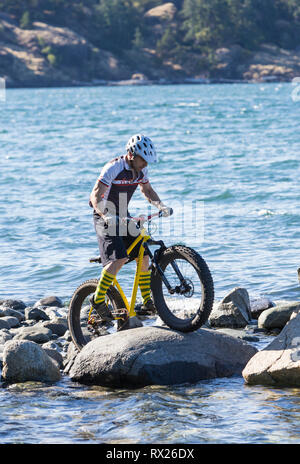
(109,198)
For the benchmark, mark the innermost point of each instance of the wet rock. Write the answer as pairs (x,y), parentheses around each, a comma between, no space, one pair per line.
(57,326)
(4,324)
(156,355)
(24,360)
(13,304)
(277,316)
(36,314)
(36,333)
(49,301)
(53,351)
(11,321)
(6,311)
(72,353)
(258,305)
(5,336)
(54,312)
(278,363)
(67,336)
(238,333)
(233,311)
(132,323)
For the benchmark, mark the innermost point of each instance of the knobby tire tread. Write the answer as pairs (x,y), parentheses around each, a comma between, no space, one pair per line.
(184,325)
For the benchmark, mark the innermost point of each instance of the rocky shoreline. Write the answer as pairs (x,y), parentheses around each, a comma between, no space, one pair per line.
(35,345)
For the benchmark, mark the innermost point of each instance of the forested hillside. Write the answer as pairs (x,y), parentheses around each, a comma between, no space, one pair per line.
(64,40)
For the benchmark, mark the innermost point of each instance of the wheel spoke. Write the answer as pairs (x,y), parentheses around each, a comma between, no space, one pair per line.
(187,296)
(187,304)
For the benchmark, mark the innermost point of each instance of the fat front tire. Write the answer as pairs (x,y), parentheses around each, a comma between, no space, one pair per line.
(77,315)
(189,310)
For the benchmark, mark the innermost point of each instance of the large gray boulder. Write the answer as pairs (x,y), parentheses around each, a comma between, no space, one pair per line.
(233,311)
(277,316)
(279,362)
(158,355)
(24,360)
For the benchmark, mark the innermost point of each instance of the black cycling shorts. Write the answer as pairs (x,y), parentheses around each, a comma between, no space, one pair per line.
(113,243)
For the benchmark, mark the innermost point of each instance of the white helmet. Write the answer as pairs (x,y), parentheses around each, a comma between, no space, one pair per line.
(140,145)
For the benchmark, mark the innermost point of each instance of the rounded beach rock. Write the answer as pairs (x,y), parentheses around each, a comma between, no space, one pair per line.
(277,316)
(24,360)
(159,356)
(233,311)
(278,363)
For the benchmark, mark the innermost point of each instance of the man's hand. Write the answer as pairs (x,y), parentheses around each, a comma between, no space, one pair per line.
(166,211)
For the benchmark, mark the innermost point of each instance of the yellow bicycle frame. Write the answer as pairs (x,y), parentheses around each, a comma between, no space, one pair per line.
(130,307)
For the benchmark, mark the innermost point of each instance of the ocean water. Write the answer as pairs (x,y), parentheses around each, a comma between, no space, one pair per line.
(228,152)
(229,165)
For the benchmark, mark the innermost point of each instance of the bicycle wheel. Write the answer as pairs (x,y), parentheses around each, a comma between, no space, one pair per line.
(84,324)
(190,302)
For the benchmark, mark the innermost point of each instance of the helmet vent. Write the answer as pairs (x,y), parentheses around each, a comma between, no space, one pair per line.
(143,146)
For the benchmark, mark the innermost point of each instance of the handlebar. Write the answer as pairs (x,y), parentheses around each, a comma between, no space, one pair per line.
(143,219)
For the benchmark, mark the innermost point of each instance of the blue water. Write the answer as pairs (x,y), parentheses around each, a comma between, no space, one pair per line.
(232,150)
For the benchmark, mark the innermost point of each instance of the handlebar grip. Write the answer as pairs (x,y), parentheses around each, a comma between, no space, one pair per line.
(161,213)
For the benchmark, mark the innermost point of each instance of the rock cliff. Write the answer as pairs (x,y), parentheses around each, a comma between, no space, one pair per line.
(47,55)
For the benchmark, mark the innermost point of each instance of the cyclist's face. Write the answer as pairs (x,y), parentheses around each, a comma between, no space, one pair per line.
(139,163)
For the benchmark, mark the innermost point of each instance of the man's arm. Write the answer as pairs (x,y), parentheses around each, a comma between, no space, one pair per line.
(154,199)
(97,196)
(150,194)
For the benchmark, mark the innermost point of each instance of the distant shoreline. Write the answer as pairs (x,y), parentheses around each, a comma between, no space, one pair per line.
(132,82)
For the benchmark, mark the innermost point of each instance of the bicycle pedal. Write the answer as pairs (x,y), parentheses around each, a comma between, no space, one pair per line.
(121,313)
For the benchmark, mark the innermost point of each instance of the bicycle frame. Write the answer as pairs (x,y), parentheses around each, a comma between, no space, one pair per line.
(130,307)
(144,238)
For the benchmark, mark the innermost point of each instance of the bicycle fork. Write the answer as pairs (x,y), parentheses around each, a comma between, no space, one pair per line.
(184,287)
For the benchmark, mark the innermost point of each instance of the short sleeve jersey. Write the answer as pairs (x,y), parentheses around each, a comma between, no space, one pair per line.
(118,177)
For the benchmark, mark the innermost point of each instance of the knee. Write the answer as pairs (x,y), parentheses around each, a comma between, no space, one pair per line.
(115,266)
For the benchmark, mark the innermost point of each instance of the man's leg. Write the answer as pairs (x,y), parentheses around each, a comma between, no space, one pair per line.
(144,284)
(107,276)
(113,256)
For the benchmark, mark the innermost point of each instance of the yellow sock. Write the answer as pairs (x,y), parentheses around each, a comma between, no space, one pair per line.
(144,284)
(104,283)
